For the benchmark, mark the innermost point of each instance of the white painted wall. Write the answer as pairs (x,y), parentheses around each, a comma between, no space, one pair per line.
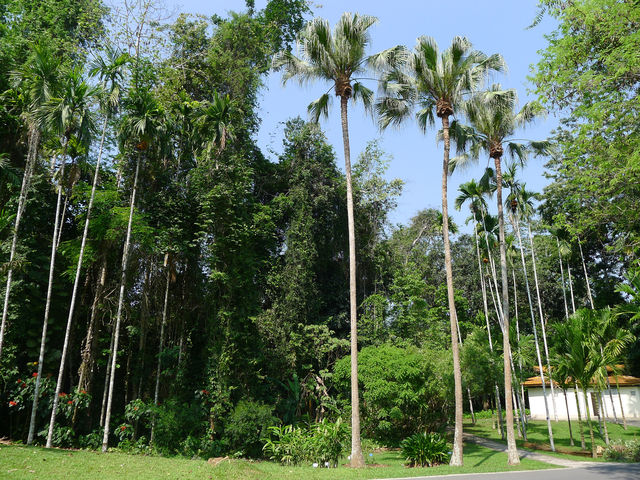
(630,401)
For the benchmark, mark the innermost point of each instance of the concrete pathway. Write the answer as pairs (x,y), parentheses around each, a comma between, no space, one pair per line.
(575,469)
(541,457)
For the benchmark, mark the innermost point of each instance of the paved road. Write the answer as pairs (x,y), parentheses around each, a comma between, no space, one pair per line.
(600,471)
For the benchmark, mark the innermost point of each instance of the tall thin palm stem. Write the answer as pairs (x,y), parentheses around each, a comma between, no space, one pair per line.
(573,302)
(564,291)
(542,321)
(43,339)
(582,442)
(535,335)
(586,276)
(123,281)
(34,138)
(165,308)
(456,456)
(486,317)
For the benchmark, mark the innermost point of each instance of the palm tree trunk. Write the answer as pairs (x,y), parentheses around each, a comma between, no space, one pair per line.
(582,442)
(542,322)
(564,290)
(566,402)
(512,451)
(521,389)
(88,351)
(516,227)
(593,440)
(34,139)
(107,375)
(495,306)
(573,302)
(43,337)
(586,276)
(357,459)
(123,280)
(624,420)
(160,346)
(456,456)
(603,417)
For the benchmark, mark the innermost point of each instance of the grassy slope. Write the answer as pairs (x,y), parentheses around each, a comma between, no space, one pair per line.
(19,462)
(538,434)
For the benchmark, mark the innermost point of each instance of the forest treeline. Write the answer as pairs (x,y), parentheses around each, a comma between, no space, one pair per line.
(166,285)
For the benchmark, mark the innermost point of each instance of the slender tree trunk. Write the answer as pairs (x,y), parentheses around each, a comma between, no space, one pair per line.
(357,459)
(456,456)
(586,276)
(564,289)
(624,420)
(160,346)
(566,402)
(542,322)
(521,388)
(593,440)
(107,375)
(516,226)
(123,281)
(45,322)
(573,302)
(85,372)
(582,442)
(603,417)
(34,140)
(512,451)
(473,416)
(498,315)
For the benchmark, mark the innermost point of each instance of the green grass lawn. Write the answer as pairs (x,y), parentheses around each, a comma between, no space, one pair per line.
(537,434)
(19,462)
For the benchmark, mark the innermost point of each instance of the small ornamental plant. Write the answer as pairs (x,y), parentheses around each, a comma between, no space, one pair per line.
(425,450)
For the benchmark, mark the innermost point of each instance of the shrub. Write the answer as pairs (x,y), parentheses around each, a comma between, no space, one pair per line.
(247,427)
(425,449)
(404,391)
(322,443)
(620,451)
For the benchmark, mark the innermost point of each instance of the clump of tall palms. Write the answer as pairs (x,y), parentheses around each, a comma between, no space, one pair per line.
(435,83)
(587,343)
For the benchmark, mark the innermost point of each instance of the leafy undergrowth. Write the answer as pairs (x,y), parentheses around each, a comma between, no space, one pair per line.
(537,437)
(19,462)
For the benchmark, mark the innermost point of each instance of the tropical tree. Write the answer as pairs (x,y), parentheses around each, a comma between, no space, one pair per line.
(436,83)
(339,57)
(35,82)
(70,117)
(493,121)
(143,120)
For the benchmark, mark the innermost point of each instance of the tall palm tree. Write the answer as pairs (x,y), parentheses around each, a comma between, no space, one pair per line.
(493,121)
(36,81)
(69,116)
(143,119)
(110,70)
(339,58)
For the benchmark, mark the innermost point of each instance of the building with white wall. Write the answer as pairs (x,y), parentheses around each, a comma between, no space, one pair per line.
(609,403)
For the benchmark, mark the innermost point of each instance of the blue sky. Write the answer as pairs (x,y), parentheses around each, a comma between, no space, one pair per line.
(495,26)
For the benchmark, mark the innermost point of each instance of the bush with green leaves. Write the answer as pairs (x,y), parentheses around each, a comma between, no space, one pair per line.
(425,449)
(246,428)
(623,451)
(403,390)
(322,443)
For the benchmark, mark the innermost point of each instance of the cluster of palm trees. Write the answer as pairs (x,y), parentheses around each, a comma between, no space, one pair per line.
(429,83)
(63,105)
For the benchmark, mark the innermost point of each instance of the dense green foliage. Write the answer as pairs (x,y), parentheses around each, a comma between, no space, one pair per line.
(234,298)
